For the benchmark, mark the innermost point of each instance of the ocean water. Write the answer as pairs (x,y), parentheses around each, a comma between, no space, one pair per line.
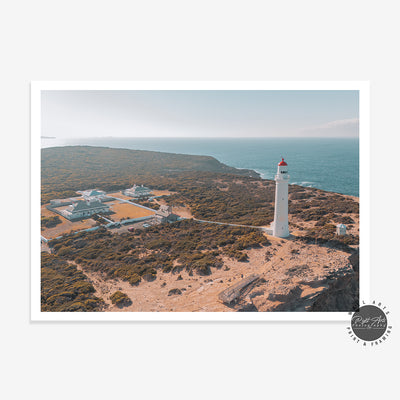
(330,164)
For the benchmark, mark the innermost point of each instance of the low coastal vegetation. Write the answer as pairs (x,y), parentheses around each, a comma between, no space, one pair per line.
(187,244)
(50,222)
(323,211)
(120,299)
(227,198)
(67,169)
(64,288)
(316,205)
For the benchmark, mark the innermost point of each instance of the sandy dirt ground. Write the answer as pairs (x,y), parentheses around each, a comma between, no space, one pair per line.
(284,265)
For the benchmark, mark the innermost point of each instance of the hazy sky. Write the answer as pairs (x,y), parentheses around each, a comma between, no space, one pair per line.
(208,113)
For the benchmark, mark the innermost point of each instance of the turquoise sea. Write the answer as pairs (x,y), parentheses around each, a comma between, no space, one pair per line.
(330,164)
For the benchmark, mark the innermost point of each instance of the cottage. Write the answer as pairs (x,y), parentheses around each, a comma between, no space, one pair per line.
(85,208)
(137,191)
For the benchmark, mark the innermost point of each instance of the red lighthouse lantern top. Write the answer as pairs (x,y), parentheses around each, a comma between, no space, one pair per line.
(282,163)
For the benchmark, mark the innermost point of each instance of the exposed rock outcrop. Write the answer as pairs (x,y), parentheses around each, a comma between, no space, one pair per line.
(342,293)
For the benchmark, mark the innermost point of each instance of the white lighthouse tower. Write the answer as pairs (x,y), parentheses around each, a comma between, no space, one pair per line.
(280,226)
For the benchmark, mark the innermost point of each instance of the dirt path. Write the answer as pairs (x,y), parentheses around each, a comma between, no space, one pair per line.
(104,288)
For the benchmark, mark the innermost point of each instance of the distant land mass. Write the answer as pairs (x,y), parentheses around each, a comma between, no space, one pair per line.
(330,164)
(67,169)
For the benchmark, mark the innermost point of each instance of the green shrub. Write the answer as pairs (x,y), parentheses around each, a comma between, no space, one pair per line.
(120,299)
(134,279)
(50,222)
(64,288)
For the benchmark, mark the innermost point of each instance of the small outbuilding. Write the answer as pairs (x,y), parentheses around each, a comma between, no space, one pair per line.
(340,229)
(164,214)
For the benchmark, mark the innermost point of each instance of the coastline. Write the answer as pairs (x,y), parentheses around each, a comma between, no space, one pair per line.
(328,170)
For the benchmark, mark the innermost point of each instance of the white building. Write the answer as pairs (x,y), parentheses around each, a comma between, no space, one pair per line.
(137,191)
(340,229)
(85,208)
(280,226)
